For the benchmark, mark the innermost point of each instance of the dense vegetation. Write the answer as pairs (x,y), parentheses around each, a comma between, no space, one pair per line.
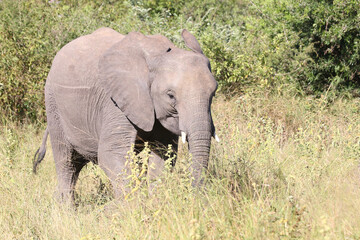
(310,46)
(288,163)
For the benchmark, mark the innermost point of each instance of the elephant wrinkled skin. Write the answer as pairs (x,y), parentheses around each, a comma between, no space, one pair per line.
(106,91)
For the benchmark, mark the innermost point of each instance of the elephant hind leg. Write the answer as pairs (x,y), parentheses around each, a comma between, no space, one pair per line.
(68,165)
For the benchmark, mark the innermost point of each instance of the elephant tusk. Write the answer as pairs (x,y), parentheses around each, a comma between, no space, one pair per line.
(183,137)
(216,137)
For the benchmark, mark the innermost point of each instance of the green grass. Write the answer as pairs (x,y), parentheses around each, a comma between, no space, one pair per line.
(286,168)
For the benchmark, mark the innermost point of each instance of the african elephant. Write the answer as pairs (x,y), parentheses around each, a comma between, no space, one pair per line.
(106,91)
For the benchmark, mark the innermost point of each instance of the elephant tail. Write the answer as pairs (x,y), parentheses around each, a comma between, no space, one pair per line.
(40,153)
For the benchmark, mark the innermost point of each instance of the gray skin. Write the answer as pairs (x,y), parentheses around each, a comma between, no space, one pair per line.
(106,91)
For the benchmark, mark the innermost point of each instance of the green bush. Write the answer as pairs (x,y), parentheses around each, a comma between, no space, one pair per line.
(31,32)
(333,28)
(308,46)
(328,32)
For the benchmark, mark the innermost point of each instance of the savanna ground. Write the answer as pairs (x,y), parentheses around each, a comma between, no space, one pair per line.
(287,167)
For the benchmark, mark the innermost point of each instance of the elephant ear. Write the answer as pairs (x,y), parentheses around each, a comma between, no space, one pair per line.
(191,42)
(124,75)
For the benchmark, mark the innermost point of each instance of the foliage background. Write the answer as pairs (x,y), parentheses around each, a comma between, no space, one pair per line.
(309,46)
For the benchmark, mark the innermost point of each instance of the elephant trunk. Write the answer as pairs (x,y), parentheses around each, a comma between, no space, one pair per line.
(199,139)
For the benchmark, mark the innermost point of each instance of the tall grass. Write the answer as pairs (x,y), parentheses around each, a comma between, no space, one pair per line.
(286,168)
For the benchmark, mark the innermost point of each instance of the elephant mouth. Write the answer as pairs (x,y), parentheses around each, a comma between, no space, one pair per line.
(171,123)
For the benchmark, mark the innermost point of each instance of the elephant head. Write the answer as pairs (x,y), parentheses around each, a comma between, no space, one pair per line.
(150,80)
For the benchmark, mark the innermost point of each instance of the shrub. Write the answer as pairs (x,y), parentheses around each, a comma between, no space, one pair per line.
(31,32)
(264,44)
(328,32)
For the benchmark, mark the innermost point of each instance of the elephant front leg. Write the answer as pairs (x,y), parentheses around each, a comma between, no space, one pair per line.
(117,171)
(156,166)
(156,169)
(160,155)
(113,148)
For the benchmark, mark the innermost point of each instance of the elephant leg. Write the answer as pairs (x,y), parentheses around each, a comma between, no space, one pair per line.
(113,147)
(114,165)
(156,166)
(155,170)
(68,166)
(158,159)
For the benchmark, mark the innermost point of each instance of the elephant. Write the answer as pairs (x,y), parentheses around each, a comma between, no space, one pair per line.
(106,92)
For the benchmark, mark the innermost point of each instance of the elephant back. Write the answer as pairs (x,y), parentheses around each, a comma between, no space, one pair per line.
(76,63)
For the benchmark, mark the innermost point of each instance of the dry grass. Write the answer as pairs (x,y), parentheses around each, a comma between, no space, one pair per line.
(286,168)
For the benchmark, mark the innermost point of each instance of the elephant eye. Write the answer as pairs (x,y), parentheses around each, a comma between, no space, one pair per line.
(169,49)
(171,96)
